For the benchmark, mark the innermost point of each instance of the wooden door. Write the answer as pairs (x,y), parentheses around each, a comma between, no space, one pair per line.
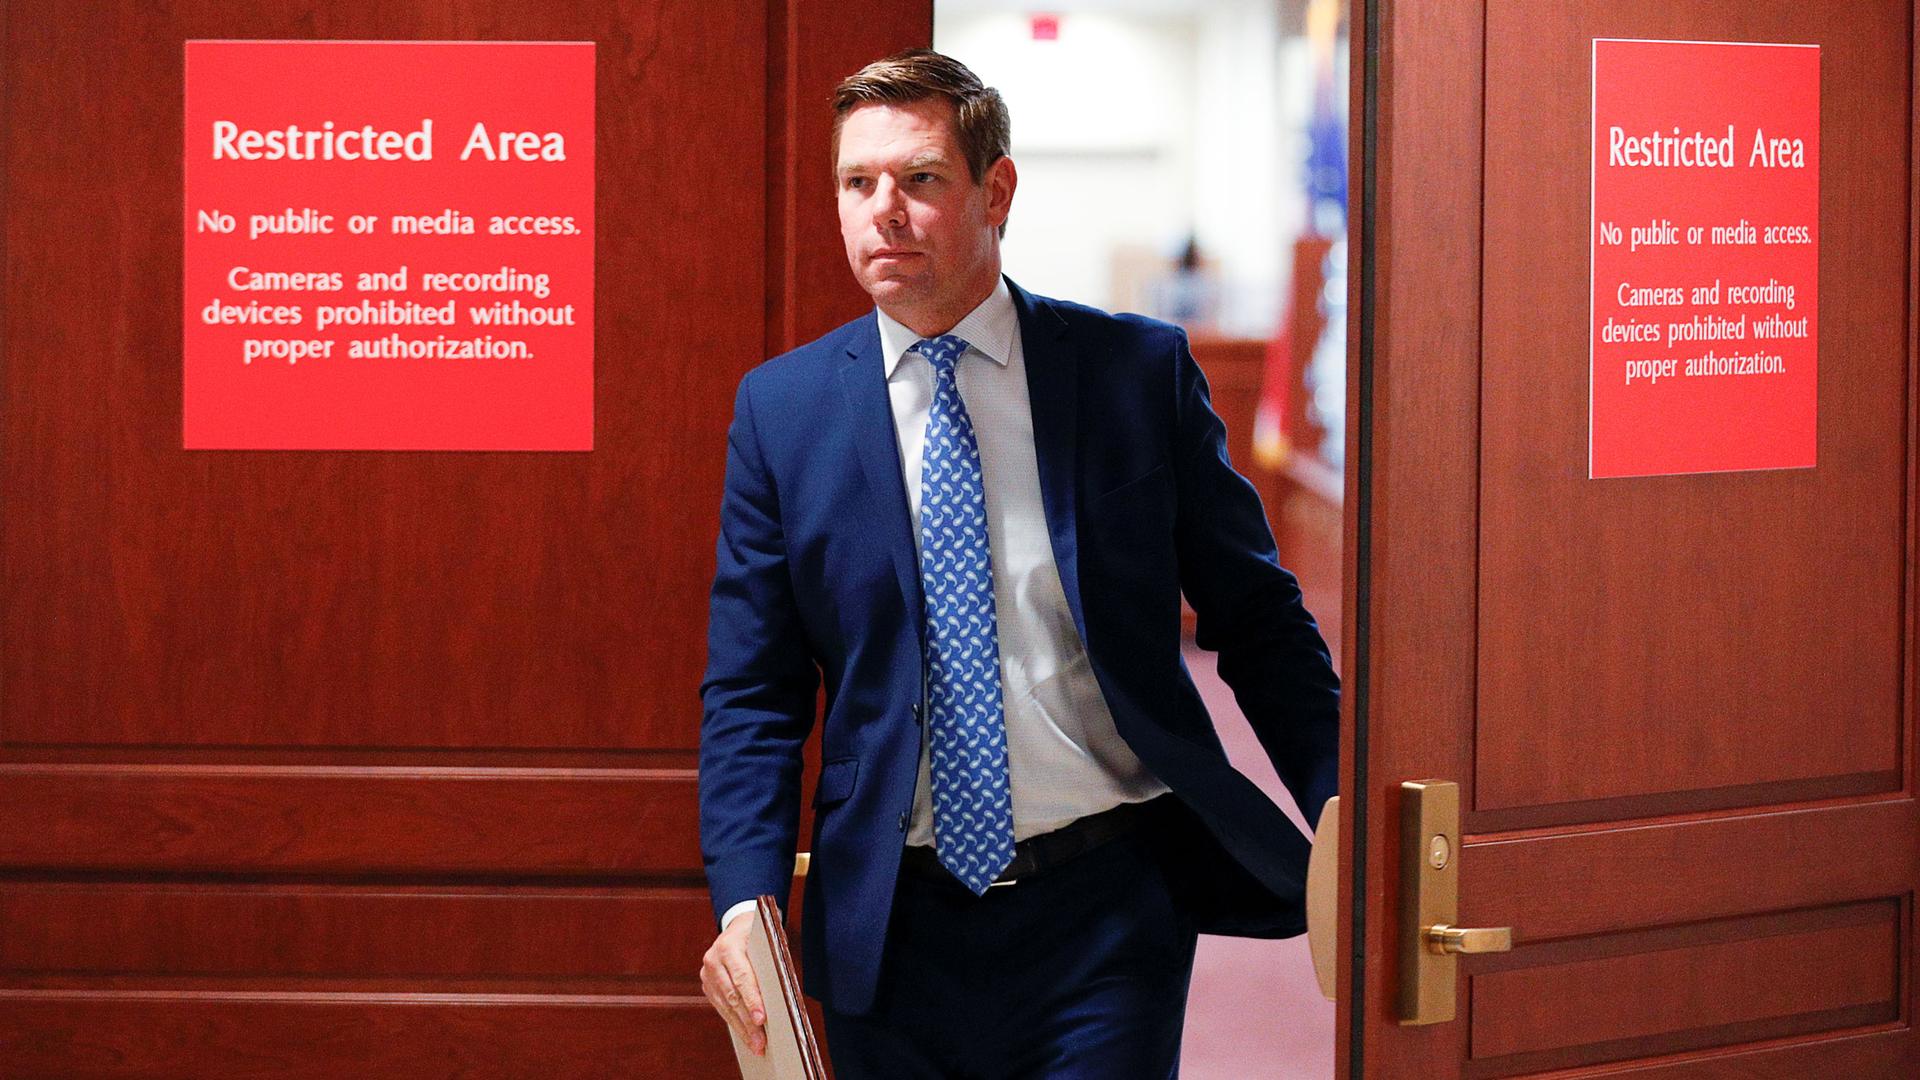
(1680,709)
(376,764)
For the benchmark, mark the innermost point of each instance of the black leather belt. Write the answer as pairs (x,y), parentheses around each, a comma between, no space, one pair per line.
(1037,854)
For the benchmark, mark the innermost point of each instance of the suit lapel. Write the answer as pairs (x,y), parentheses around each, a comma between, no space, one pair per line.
(1053,392)
(864,381)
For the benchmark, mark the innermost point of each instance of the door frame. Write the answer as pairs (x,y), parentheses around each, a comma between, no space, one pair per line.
(1419,185)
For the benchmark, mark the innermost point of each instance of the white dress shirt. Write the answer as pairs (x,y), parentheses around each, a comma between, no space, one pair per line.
(1064,758)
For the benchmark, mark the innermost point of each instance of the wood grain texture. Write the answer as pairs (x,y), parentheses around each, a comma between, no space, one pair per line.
(433,933)
(1634,1055)
(168,1035)
(1423,465)
(241,819)
(815,44)
(1879,1050)
(375,599)
(379,764)
(1770,983)
(1678,633)
(1642,795)
(1556,884)
(1691,801)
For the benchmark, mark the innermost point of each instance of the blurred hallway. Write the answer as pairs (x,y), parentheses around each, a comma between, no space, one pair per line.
(1255,1009)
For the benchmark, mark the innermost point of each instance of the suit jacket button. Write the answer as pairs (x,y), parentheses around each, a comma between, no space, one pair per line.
(904,818)
(916,712)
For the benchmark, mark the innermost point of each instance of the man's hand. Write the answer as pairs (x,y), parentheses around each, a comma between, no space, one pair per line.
(728,979)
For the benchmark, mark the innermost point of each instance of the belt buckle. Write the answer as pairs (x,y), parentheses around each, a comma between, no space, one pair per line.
(1017,854)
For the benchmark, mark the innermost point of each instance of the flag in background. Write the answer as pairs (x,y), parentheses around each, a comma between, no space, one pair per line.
(1326,173)
(1324,187)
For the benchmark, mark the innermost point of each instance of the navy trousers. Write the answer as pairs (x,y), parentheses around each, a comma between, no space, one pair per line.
(1077,972)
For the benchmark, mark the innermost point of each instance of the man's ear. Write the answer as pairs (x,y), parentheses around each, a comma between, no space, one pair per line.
(1001,179)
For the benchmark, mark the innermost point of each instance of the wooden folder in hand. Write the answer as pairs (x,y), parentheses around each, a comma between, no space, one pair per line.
(792,1052)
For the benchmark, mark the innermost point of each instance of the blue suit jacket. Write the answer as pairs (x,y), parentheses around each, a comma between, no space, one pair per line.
(817,577)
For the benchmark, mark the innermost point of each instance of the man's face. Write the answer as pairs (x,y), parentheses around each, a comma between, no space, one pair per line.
(920,234)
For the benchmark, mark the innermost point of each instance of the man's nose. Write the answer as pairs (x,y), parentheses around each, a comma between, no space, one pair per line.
(889,205)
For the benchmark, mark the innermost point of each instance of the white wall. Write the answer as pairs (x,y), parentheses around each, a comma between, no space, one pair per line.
(1140,125)
(1100,138)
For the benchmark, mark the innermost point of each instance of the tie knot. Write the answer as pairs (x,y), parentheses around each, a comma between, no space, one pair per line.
(942,352)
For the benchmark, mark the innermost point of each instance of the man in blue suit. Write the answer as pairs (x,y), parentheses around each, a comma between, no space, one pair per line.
(974,513)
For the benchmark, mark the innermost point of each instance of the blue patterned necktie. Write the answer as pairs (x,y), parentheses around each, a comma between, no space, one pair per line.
(972,803)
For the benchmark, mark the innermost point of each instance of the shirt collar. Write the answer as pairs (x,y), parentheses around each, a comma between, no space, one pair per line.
(987,328)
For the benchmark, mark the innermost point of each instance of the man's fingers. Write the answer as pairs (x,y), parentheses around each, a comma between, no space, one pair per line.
(749,989)
(727,978)
(711,976)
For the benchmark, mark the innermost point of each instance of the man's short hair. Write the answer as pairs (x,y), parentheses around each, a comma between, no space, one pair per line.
(981,125)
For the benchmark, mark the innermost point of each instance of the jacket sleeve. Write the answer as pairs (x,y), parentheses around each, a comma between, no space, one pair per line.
(759,690)
(1249,609)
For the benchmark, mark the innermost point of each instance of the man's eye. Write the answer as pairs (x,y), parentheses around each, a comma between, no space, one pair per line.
(856,181)
(923,178)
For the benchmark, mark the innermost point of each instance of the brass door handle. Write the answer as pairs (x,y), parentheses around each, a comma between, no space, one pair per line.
(1454,940)
(1430,901)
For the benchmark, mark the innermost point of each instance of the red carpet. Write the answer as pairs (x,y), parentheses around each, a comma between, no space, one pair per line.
(1255,1011)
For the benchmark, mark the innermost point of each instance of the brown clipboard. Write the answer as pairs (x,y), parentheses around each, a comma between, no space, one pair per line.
(792,1051)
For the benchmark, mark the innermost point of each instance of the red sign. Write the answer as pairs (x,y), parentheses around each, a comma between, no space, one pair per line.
(389,245)
(1705,257)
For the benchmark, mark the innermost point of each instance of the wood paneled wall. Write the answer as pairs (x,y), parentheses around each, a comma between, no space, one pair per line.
(379,764)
